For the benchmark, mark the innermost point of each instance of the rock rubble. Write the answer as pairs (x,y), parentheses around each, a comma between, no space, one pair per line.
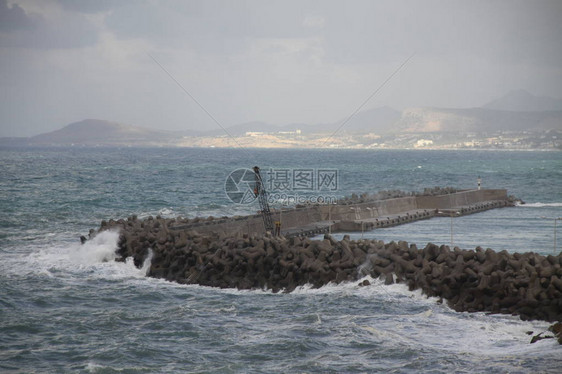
(525,284)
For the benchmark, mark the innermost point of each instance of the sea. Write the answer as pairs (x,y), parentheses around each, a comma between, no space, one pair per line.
(69,308)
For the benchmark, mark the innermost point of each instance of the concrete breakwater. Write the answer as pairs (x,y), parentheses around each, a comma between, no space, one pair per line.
(236,253)
(354,216)
(528,285)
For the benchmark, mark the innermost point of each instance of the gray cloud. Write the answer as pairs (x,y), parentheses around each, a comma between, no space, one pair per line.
(278,61)
(95,6)
(12,18)
(210,26)
(37,31)
(357,31)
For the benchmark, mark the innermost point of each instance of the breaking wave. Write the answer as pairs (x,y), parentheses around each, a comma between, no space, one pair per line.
(539,205)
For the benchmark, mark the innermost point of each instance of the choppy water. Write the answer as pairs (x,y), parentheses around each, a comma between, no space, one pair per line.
(69,308)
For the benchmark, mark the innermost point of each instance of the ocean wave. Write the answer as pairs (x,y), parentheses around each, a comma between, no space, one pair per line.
(95,258)
(539,205)
(409,318)
(164,213)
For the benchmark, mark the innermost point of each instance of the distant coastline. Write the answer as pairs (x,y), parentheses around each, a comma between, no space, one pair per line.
(517,121)
(525,144)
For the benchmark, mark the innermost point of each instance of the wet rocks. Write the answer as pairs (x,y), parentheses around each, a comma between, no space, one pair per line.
(555,329)
(539,337)
(524,284)
(240,262)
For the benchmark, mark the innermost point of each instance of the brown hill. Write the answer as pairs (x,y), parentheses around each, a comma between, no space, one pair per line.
(479,120)
(100,132)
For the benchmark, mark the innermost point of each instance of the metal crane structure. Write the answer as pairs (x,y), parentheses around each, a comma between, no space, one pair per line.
(261,194)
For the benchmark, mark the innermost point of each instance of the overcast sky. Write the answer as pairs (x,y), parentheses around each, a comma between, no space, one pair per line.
(282,62)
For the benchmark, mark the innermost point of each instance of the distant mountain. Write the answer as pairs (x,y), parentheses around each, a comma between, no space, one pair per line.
(518,111)
(523,101)
(475,120)
(101,132)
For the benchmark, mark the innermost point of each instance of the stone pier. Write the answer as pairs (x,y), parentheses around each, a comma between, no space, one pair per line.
(317,219)
(236,253)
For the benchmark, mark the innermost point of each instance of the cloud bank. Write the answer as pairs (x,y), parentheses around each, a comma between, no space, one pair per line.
(276,61)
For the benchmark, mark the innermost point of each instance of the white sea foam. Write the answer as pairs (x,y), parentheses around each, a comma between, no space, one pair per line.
(475,333)
(539,205)
(101,248)
(432,324)
(438,326)
(94,258)
(167,213)
(147,262)
(397,292)
(164,213)
(441,328)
